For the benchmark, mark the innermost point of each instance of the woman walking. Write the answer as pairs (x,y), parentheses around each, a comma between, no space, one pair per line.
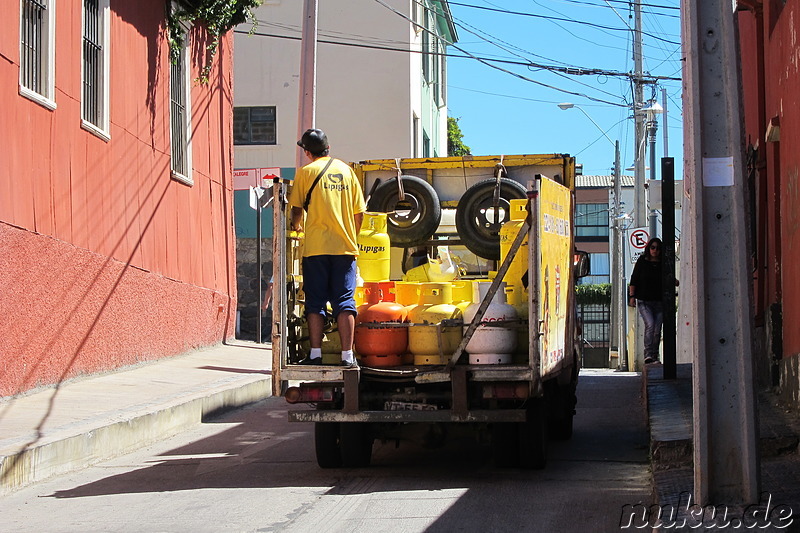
(645,292)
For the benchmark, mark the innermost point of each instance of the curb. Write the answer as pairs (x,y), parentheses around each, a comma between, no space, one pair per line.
(44,458)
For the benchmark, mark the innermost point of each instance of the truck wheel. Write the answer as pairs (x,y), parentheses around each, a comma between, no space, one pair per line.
(356,444)
(414,220)
(327,444)
(561,426)
(475,219)
(533,437)
(505,445)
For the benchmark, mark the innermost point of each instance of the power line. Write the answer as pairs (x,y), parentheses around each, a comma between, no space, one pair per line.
(559,19)
(576,71)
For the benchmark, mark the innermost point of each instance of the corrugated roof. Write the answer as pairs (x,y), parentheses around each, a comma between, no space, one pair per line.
(600,182)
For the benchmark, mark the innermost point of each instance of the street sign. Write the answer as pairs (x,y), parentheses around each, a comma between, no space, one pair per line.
(637,240)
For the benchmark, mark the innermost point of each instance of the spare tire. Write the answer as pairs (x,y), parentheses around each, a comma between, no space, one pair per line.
(475,215)
(413,221)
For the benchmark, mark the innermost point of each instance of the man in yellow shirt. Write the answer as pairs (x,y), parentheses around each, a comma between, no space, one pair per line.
(328,192)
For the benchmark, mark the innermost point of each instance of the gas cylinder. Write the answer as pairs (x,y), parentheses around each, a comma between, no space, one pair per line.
(518,294)
(373,248)
(462,293)
(379,339)
(375,309)
(491,344)
(427,336)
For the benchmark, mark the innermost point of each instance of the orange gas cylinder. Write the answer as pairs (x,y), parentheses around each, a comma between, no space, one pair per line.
(381,346)
(407,294)
(377,310)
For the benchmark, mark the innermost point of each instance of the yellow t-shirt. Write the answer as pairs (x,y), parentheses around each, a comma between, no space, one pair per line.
(329,227)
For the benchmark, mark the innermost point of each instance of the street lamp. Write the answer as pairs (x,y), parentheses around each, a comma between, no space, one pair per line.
(651,113)
(618,280)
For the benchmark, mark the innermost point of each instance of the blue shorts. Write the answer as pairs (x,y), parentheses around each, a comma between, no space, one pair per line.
(329,278)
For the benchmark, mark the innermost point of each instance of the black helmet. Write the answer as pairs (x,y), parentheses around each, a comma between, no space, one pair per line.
(314,140)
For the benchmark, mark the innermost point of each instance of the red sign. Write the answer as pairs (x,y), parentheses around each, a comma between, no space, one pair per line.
(639,238)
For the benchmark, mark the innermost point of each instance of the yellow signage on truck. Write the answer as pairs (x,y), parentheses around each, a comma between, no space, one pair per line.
(555,213)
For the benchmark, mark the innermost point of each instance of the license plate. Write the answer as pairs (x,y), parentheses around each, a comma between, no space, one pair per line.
(408,406)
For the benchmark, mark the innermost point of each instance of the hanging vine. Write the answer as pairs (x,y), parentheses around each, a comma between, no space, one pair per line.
(218,17)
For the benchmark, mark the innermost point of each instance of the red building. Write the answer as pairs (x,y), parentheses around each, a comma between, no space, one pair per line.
(116,236)
(770,68)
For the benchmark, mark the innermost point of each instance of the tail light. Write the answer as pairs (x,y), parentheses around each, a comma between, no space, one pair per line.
(309,394)
(506,391)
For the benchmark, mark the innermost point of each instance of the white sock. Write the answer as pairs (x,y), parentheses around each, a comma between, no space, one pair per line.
(347,356)
(316,353)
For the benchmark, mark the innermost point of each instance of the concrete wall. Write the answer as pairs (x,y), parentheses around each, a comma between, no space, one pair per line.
(106,260)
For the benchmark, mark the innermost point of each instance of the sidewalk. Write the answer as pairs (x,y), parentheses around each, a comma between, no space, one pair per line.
(88,420)
(669,408)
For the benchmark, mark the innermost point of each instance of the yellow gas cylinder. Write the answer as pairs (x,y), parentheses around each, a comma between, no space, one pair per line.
(428,338)
(462,293)
(373,248)
(406,293)
(517,293)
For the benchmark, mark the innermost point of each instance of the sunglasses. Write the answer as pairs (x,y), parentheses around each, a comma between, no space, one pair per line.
(655,247)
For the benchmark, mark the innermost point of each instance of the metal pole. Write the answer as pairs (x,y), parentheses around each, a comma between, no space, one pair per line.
(258,264)
(726,461)
(652,126)
(619,285)
(306,113)
(666,133)
(668,258)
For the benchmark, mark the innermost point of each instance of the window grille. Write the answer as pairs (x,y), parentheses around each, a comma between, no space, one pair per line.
(92,63)
(596,323)
(33,46)
(179,116)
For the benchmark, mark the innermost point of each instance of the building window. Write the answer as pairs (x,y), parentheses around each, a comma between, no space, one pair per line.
(426,145)
(37,51)
(254,125)
(94,109)
(180,117)
(591,222)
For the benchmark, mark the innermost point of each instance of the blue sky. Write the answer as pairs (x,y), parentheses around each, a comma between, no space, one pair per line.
(500,113)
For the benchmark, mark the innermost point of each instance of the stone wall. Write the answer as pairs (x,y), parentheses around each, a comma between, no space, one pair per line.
(247,285)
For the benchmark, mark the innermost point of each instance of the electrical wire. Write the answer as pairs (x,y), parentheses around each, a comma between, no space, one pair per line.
(560,19)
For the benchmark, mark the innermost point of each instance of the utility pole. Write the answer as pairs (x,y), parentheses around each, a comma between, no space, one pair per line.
(306,112)
(726,462)
(618,283)
(640,200)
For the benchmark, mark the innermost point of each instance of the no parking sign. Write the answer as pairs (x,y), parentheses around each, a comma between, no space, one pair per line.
(637,241)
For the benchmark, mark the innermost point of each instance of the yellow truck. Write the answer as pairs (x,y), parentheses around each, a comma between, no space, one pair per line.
(506,224)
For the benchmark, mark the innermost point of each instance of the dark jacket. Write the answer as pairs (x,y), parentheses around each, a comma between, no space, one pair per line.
(646,278)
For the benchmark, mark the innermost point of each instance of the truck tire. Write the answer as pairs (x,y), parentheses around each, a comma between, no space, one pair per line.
(413,221)
(561,424)
(475,221)
(533,436)
(505,445)
(356,444)
(327,444)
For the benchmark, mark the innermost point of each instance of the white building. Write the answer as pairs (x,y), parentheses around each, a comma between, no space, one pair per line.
(380,80)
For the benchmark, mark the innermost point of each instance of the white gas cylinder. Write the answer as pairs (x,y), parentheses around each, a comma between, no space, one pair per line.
(491,344)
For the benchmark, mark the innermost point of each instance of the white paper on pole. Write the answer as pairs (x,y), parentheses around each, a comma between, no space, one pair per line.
(253,198)
(718,171)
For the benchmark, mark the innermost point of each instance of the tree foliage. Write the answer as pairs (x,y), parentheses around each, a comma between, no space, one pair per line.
(218,17)
(598,294)
(455,142)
